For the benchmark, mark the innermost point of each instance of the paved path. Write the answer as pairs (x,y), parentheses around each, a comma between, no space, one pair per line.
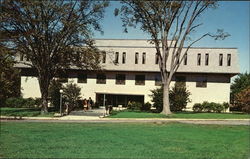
(144,120)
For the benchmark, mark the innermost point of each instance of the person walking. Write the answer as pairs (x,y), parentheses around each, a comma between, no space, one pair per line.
(85,104)
(90,103)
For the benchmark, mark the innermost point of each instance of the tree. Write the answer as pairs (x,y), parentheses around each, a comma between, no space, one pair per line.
(9,76)
(52,35)
(242,81)
(170,24)
(243,100)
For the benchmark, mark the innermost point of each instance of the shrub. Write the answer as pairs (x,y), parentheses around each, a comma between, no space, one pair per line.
(146,106)
(21,102)
(134,106)
(71,93)
(179,97)
(243,100)
(54,93)
(197,107)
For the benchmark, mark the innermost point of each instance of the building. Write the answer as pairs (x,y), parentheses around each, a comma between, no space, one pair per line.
(131,71)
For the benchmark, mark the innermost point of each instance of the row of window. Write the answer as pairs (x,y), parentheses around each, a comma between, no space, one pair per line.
(139,80)
(207,59)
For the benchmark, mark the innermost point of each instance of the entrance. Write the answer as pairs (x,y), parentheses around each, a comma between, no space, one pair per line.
(117,99)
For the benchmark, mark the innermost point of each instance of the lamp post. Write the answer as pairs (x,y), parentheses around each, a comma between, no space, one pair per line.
(61,91)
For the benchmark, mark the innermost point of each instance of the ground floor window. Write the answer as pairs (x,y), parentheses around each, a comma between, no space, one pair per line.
(139,79)
(201,82)
(101,79)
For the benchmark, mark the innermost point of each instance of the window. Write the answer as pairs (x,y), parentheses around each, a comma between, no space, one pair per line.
(201,82)
(206,59)
(158,81)
(116,57)
(180,80)
(199,59)
(228,59)
(220,59)
(156,59)
(136,57)
(139,79)
(63,77)
(103,57)
(120,79)
(21,57)
(124,57)
(81,78)
(101,79)
(185,59)
(144,58)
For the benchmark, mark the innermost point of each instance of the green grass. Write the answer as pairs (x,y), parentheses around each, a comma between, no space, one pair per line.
(85,140)
(24,112)
(187,115)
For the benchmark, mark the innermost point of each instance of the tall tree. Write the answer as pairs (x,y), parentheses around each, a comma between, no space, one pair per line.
(52,35)
(170,24)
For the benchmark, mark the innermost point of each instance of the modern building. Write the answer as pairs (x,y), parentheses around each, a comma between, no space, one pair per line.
(131,71)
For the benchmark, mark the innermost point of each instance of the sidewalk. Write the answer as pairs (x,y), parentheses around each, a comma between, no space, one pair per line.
(96,119)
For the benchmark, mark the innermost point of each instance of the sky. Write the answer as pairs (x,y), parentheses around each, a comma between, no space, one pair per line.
(232,16)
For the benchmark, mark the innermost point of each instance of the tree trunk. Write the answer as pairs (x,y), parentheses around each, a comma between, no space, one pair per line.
(166,103)
(44,81)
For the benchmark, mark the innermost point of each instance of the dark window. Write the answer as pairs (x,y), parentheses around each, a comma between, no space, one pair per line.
(63,79)
(101,79)
(158,81)
(180,80)
(206,59)
(136,57)
(228,59)
(81,78)
(185,59)
(221,60)
(201,82)
(21,57)
(120,79)
(156,59)
(124,57)
(103,57)
(144,58)
(199,59)
(139,79)
(116,57)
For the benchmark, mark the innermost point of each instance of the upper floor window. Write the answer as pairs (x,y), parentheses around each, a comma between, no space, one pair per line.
(199,59)
(124,57)
(185,59)
(116,57)
(228,59)
(82,78)
(21,57)
(201,82)
(206,59)
(180,80)
(120,79)
(156,58)
(103,57)
(158,81)
(220,59)
(101,79)
(136,57)
(144,58)
(139,79)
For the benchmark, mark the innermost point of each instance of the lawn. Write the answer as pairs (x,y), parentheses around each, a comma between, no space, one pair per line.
(112,140)
(186,115)
(24,112)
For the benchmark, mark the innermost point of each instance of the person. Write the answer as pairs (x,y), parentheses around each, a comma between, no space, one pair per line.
(90,103)
(85,104)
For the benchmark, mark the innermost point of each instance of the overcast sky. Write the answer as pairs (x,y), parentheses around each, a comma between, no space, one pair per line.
(232,16)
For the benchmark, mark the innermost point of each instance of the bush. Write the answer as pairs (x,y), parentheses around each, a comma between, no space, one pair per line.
(146,106)
(21,102)
(134,106)
(197,107)
(179,97)
(243,100)
(54,93)
(210,107)
(71,94)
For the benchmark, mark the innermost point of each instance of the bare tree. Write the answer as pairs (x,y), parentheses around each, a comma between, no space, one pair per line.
(52,35)
(170,24)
